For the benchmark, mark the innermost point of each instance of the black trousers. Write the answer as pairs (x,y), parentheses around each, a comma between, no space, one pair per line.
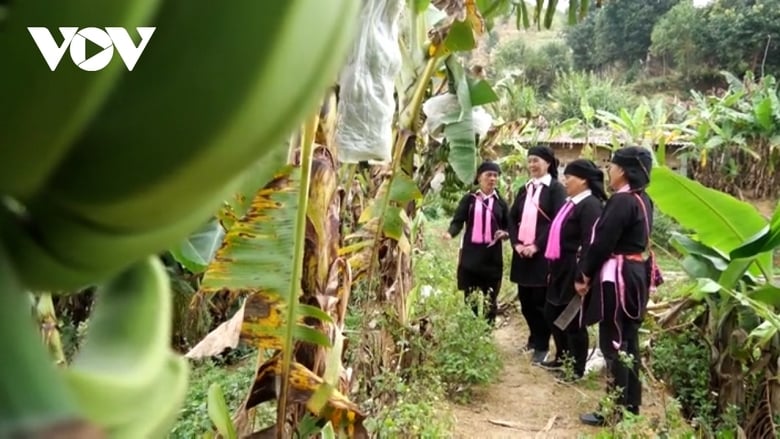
(624,371)
(489,299)
(571,342)
(532,301)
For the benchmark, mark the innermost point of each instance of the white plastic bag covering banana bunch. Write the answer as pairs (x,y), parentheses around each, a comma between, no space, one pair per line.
(441,108)
(366,85)
(101,169)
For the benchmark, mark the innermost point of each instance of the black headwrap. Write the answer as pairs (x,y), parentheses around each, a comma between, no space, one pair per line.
(546,154)
(486,166)
(637,162)
(588,171)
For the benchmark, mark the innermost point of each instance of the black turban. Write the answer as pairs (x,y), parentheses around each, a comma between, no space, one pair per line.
(546,154)
(588,171)
(485,167)
(637,162)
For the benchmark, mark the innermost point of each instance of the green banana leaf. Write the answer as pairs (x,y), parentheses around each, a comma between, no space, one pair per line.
(219,413)
(699,261)
(719,220)
(460,38)
(766,240)
(481,92)
(404,189)
(199,249)
(687,245)
(421,6)
(769,294)
(459,128)
(702,261)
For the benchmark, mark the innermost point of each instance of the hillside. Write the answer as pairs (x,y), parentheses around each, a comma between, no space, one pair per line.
(505,30)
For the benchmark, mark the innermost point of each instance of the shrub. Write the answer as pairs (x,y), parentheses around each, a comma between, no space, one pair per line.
(682,360)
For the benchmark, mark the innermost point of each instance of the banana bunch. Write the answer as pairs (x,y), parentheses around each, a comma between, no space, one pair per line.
(125,377)
(101,169)
(110,166)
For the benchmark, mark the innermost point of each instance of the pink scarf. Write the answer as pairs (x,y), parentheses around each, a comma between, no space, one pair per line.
(482,232)
(527,233)
(553,251)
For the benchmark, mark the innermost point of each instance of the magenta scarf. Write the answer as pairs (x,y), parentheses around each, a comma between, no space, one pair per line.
(553,251)
(482,231)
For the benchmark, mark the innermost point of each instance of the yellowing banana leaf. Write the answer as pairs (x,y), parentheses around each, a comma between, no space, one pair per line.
(323,226)
(259,175)
(255,260)
(258,322)
(257,250)
(304,384)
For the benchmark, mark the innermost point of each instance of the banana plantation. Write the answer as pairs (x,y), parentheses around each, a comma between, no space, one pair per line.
(233,228)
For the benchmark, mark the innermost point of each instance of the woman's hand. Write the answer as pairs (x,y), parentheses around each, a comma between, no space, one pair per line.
(519,248)
(446,236)
(529,251)
(500,234)
(582,287)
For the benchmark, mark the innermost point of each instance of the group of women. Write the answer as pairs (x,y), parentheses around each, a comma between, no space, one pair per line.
(573,248)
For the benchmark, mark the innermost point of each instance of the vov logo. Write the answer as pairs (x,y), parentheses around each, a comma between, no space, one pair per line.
(76,39)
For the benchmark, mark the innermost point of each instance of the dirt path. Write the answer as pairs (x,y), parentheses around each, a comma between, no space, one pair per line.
(529,401)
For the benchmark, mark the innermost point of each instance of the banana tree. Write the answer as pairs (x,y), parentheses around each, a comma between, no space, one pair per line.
(649,125)
(729,255)
(379,250)
(381,202)
(736,137)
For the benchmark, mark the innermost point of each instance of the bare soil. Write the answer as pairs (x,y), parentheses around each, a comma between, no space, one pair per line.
(528,401)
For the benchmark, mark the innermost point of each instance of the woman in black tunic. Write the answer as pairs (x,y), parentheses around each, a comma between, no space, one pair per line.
(617,296)
(535,205)
(569,238)
(480,263)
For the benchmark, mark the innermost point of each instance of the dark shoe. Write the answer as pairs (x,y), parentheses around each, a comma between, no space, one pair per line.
(593,419)
(555,364)
(528,348)
(538,357)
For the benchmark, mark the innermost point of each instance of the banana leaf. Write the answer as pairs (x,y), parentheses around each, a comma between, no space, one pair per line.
(199,249)
(719,220)
(768,239)
(459,128)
